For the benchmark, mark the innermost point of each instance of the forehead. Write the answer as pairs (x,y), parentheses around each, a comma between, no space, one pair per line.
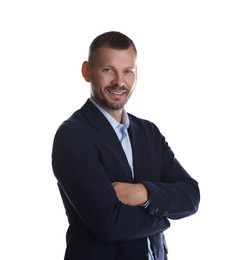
(109,56)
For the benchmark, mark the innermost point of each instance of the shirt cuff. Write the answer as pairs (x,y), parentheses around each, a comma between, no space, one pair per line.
(146,204)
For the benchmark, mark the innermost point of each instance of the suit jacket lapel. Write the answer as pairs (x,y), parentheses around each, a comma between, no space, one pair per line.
(137,140)
(105,132)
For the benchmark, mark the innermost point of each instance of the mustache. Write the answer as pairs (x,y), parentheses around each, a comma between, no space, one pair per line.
(117,87)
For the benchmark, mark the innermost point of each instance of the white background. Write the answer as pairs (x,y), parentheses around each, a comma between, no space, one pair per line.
(189,62)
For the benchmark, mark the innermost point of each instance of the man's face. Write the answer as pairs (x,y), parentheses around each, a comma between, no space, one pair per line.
(112,75)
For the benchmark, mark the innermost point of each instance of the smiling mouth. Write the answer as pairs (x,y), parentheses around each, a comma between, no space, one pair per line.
(116,91)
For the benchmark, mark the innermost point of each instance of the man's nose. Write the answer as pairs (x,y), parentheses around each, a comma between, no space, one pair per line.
(118,80)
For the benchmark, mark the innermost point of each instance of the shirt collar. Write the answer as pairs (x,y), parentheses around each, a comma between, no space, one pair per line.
(115,124)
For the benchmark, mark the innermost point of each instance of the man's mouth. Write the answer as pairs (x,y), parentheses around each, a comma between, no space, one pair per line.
(116,91)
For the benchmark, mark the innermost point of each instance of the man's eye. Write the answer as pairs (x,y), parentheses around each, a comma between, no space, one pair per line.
(107,70)
(129,71)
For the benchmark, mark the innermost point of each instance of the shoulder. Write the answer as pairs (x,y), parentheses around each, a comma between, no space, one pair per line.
(74,121)
(82,119)
(143,124)
(70,129)
(146,129)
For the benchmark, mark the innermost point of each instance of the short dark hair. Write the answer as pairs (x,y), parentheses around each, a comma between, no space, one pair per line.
(112,39)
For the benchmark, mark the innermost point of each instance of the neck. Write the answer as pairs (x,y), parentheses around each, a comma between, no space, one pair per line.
(116,114)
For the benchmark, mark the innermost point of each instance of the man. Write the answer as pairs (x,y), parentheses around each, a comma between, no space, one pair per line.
(117,176)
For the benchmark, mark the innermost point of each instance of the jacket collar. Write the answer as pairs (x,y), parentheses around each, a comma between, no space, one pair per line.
(106,132)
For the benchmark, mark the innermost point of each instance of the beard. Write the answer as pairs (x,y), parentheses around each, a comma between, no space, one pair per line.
(104,99)
(114,105)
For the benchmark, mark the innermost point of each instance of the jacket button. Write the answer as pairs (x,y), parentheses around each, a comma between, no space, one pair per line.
(160,211)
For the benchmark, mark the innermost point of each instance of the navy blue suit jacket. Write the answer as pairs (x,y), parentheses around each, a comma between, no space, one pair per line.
(87,157)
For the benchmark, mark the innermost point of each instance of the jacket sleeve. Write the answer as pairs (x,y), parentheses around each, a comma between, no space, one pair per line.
(177,194)
(83,180)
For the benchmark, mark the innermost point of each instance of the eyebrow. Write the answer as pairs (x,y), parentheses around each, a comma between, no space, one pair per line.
(111,66)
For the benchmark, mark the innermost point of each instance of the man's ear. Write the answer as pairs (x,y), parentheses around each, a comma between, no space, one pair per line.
(86,71)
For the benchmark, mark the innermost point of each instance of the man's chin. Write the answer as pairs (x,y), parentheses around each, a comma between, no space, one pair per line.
(112,104)
(116,106)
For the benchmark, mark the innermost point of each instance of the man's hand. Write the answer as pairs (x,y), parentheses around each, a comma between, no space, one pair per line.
(131,194)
